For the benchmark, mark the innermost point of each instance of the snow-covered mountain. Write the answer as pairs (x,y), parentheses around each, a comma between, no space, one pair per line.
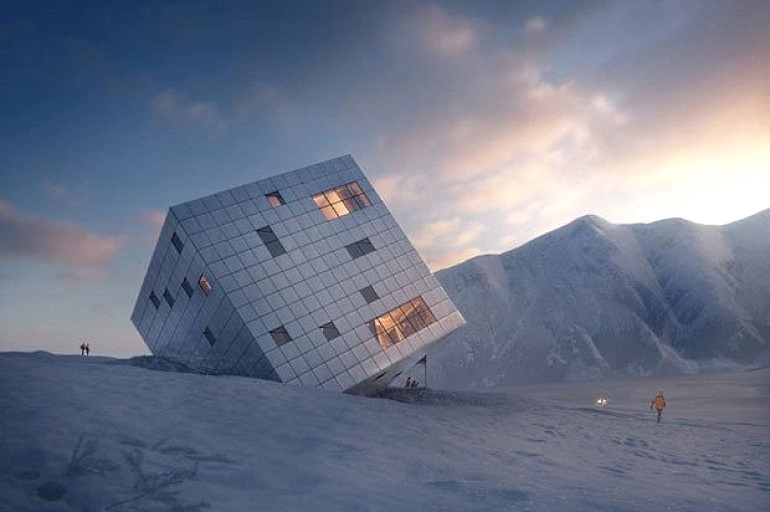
(595,299)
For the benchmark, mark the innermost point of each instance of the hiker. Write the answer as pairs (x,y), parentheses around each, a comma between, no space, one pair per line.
(83,348)
(408,383)
(88,349)
(659,402)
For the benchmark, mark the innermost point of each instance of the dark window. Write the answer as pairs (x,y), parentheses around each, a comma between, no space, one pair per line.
(187,288)
(210,336)
(401,322)
(177,242)
(358,249)
(204,284)
(369,294)
(275,199)
(154,299)
(271,241)
(169,298)
(280,336)
(330,331)
(340,201)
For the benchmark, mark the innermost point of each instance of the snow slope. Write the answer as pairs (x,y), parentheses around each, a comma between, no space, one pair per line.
(98,434)
(593,299)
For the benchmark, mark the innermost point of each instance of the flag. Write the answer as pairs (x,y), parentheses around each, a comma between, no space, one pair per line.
(423,360)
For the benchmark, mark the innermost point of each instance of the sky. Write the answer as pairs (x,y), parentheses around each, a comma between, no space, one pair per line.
(481,124)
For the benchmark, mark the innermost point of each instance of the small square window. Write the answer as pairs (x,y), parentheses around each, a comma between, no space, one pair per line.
(187,288)
(154,299)
(275,199)
(330,331)
(210,336)
(271,241)
(204,284)
(360,248)
(169,298)
(369,294)
(178,245)
(280,336)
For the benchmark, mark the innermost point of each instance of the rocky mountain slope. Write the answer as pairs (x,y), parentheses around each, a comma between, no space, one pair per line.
(594,299)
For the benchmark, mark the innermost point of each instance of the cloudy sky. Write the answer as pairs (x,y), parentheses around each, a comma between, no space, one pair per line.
(482,124)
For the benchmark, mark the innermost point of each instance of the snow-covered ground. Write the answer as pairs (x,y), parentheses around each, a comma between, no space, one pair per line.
(96,434)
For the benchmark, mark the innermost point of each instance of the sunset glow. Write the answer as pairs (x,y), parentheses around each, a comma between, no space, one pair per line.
(482,125)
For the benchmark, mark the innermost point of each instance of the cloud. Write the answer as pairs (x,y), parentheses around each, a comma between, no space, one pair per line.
(65,195)
(27,237)
(521,134)
(177,106)
(443,241)
(535,25)
(81,276)
(436,32)
(269,100)
(154,219)
(446,34)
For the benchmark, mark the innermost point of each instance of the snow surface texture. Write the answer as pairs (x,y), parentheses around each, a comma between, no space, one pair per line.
(593,299)
(97,434)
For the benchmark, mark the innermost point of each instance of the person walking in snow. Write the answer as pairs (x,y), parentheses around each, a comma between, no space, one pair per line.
(659,402)
(83,348)
(88,349)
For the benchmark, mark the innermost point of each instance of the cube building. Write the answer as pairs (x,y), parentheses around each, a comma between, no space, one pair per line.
(301,278)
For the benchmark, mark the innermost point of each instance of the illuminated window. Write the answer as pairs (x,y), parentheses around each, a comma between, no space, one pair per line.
(169,298)
(204,284)
(154,299)
(369,294)
(275,199)
(210,336)
(340,201)
(271,241)
(401,322)
(177,242)
(330,331)
(187,288)
(358,249)
(280,336)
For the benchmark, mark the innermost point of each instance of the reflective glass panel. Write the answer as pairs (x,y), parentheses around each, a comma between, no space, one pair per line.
(401,322)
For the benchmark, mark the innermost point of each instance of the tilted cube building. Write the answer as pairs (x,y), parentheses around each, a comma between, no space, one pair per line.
(301,278)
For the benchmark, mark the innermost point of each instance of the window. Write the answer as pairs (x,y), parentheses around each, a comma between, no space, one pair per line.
(169,298)
(360,248)
(210,336)
(280,336)
(187,288)
(401,322)
(204,284)
(154,299)
(330,331)
(177,242)
(271,241)
(275,199)
(369,294)
(340,201)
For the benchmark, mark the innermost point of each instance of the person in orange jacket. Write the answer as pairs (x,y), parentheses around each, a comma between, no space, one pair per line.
(659,402)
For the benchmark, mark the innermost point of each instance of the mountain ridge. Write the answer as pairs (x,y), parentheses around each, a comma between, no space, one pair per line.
(594,299)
